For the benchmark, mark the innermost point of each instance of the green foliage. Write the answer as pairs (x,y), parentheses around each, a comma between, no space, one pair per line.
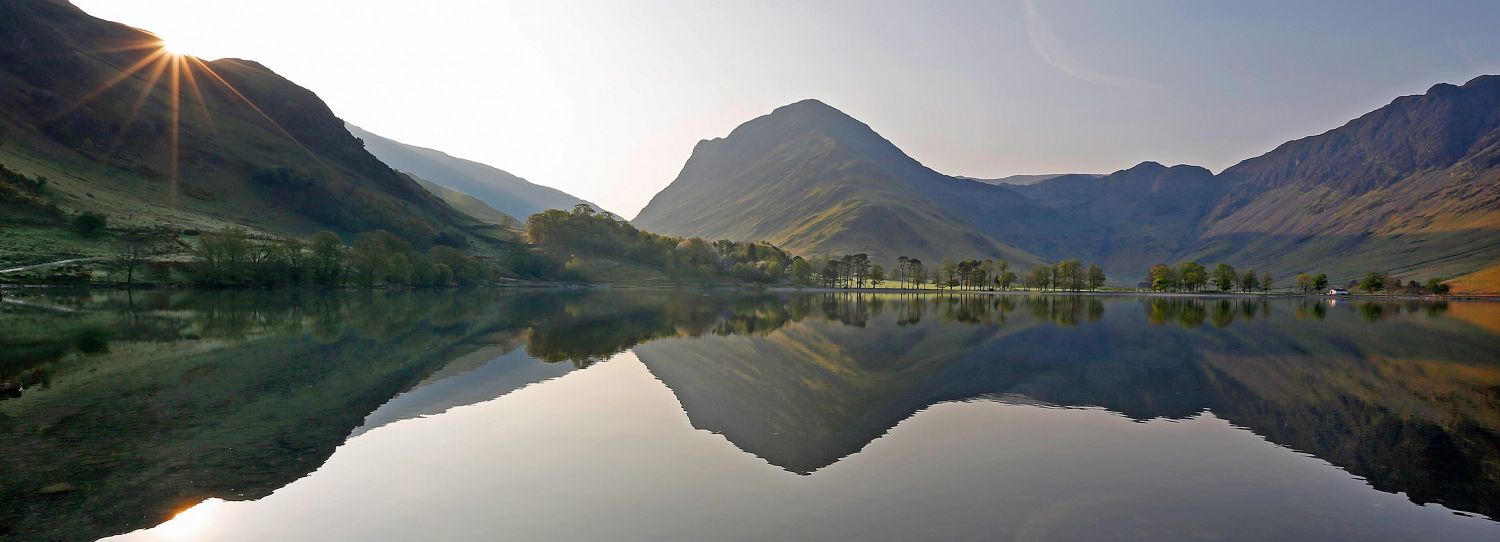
(1193,276)
(562,233)
(1249,281)
(1096,277)
(1225,277)
(1305,282)
(1372,283)
(1163,277)
(801,272)
(1436,286)
(89,224)
(234,258)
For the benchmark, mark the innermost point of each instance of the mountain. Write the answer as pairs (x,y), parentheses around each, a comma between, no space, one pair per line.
(467,204)
(118,125)
(1146,214)
(1413,186)
(507,193)
(1020,180)
(815,181)
(1412,189)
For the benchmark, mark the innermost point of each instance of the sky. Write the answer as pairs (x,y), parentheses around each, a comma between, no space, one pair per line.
(606,99)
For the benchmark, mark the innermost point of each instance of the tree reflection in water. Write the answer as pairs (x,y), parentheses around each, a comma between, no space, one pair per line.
(138,404)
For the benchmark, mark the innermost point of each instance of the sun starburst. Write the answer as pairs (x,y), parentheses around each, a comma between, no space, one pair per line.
(178,76)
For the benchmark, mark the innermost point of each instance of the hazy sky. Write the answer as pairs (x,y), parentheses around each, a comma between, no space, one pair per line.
(606,99)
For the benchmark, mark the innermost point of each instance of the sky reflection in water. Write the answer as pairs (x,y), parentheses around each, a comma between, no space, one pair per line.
(649,415)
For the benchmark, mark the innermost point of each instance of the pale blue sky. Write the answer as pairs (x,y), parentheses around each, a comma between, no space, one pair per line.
(606,99)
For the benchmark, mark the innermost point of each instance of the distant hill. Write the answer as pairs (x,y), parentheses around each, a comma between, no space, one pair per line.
(469,205)
(507,193)
(813,180)
(118,125)
(1412,189)
(1021,180)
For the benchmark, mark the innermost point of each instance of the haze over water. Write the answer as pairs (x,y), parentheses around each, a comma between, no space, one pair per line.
(640,414)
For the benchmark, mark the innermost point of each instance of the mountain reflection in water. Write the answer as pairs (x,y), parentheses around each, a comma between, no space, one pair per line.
(136,406)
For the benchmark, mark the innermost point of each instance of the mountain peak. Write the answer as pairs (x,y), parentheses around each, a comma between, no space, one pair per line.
(816,112)
(1148,166)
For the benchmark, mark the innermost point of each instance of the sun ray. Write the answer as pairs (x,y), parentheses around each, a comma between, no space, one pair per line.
(113,81)
(192,86)
(140,102)
(215,75)
(175,87)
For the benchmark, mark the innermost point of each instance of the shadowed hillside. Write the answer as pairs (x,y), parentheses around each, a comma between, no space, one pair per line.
(120,126)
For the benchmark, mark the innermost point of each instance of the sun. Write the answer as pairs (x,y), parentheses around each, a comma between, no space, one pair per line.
(170,47)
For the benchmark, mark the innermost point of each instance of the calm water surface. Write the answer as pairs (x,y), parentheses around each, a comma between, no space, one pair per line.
(651,415)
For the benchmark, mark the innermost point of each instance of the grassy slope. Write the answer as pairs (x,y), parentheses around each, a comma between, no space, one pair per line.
(1484,281)
(508,193)
(803,178)
(111,151)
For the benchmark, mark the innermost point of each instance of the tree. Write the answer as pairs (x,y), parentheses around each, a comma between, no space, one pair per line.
(877,276)
(223,257)
(1304,282)
(859,269)
(902,265)
(380,257)
(1320,282)
(1437,286)
(950,271)
(1224,277)
(89,224)
(327,259)
(917,272)
(1265,283)
(1371,283)
(1249,281)
(801,272)
(131,251)
(1041,277)
(1096,277)
(1163,277)
(1069,275)
(1007,279)
(1192,275)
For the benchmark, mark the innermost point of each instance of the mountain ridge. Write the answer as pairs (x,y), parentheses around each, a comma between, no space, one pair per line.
(505,192)
(1410,188)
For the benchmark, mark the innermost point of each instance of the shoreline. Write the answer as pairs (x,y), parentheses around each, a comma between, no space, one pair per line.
(539,285)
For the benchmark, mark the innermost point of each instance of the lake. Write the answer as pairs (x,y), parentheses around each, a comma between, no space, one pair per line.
(698,415)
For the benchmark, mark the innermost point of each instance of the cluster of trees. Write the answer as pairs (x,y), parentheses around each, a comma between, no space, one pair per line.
(1067,275)
(848,271)
(1311,283)
(1193,277)
(856,271)
(1373,283)
(976,275)
(235,258)
(562,233)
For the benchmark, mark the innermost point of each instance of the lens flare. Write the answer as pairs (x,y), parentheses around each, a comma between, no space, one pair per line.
(177,76)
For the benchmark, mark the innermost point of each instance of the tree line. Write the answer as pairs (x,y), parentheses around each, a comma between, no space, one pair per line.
(564,234)
(1193,277)
(235,258)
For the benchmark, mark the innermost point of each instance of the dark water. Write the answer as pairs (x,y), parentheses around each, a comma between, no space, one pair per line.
(651,415)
